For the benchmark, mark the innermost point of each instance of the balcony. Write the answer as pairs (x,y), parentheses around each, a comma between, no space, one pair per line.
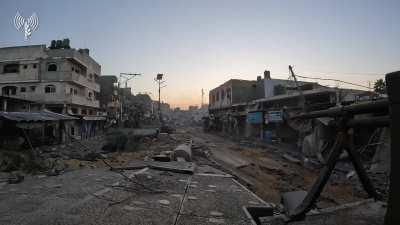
(82,100)
(113,104)
(72,77)
(58,98)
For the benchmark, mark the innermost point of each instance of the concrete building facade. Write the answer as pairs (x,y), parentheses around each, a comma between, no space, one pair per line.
(62,80)
(235,91)
(109,98)
(59,78)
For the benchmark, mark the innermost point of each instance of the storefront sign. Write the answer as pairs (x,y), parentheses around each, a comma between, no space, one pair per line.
(255,117)
(275,116)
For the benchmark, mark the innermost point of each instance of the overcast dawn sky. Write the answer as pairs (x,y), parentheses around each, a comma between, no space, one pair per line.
(200,44)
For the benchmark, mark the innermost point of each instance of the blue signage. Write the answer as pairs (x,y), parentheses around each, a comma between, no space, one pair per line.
(255,117)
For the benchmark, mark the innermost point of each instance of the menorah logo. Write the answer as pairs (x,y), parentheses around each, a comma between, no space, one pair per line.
(26,25)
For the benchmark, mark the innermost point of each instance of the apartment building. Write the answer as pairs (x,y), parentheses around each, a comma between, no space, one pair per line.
(61,79)
(235,91)
(57,78)
(109,96)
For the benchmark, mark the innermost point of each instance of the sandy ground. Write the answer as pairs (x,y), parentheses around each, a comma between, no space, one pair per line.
(269,172)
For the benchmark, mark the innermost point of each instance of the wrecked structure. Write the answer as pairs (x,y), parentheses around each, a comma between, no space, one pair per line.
(162,182)
(43,127)
(109,96)
(257,109)
(57,78)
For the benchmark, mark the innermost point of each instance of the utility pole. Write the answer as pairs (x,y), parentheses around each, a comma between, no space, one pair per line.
(127,77)
(302,98)
(302,103)
(158,79)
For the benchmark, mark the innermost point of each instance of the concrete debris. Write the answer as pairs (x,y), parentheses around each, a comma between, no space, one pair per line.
(291,158)
(172,166)
(183,151)
(178,167)
(269,171)
(192,197)
(161,158)
(164,202)
(216,213)
(350,174)
(128,208)
(216,220)
(180,159)
(15,178)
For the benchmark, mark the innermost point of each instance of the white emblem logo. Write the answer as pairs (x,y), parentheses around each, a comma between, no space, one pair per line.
(26,25)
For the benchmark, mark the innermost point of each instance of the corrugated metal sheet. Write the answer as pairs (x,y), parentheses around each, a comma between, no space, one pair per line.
(34,116)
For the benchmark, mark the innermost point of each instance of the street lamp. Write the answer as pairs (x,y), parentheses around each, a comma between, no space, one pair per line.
(158,80)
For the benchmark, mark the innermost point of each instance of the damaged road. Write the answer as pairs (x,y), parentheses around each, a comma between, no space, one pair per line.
(101,196)
(152,182)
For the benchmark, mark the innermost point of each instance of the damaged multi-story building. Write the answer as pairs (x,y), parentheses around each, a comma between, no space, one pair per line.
(109,96)
(57,78)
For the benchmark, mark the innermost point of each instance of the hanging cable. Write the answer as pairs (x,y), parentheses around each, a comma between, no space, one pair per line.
(336,80)
(322,72)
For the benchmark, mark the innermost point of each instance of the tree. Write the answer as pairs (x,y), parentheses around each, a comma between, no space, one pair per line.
(380,86)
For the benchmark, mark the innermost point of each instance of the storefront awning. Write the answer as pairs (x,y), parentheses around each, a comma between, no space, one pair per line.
(93,118)
(41,116)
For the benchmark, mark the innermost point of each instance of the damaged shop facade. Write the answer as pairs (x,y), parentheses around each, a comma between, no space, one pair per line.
(259,109)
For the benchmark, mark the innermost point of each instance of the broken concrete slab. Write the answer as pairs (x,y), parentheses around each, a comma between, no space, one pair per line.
(173,166)
(291,158)
(208,170)
(183,151)
(218,197)
(232,160)
(82,200)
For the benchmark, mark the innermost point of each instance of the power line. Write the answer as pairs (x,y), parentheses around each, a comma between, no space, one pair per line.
(336,80)
(341,73)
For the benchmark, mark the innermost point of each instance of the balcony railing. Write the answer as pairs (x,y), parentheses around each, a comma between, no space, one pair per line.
(70,76)
(58,98)
(82,100)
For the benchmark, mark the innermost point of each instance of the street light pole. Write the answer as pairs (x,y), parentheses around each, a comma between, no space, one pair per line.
(159,100)
(158,80)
